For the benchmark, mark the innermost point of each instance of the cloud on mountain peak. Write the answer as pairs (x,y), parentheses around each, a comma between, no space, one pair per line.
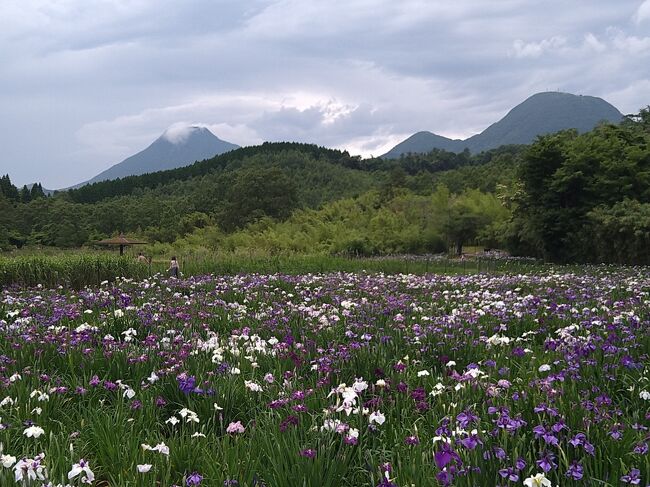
(179,132)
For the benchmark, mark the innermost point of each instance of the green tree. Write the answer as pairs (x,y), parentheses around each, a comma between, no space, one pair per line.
(566,176)
(8,189)
(620,233)
(36,191)
(470,215)
(258,192)
(25,195)
(7,216)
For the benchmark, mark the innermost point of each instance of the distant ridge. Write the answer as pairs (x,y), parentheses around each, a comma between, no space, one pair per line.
(48,192)
(539,114)
(423,142)
(178,146)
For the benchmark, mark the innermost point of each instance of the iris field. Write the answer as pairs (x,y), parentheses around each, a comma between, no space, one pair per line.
(329,379)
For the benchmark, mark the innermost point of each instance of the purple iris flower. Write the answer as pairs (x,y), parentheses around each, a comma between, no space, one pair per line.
(500,453)
(470,442)
(308,453)
(442,458)
(412,440)
(187,384)
(445,456)
(386,483)
(509,473)
(633,477)
(466,418)
(575,471)
(194,479)
(547,462)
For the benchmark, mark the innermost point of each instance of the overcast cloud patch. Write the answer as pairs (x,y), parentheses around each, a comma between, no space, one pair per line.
(85,84)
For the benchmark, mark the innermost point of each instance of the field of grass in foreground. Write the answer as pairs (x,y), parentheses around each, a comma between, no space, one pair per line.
(342,379)
(77,269)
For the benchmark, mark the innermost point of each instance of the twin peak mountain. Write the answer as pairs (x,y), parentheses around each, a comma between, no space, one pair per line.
(540,114)
(543,113)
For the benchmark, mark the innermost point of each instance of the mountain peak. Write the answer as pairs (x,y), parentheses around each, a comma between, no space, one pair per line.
(178,133)
(180,145)
(541,113)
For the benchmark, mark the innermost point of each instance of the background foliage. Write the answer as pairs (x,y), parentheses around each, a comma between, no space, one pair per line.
(565,198)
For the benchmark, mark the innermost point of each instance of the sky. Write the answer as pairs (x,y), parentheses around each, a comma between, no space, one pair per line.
(87,83)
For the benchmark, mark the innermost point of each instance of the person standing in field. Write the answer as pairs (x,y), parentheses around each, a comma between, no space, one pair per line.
(142,258)
(173,267)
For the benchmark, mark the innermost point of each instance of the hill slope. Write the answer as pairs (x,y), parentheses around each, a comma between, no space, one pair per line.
(540,114)
(177,147)
(421,143)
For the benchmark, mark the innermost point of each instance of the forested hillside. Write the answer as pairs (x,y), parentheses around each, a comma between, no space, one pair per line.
(164,206)
(568,197)
(229,161)
(228,192)
(373,224)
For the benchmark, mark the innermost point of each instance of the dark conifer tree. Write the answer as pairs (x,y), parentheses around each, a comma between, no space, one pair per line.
(37,191)
(25,195)
(8,189)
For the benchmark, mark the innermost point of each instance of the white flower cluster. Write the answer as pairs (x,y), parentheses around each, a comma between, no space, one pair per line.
(27,470)
(347,396)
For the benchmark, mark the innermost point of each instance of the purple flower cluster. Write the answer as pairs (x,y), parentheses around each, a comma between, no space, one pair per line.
(385,379)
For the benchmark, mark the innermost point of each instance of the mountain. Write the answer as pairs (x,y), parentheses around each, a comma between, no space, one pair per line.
(423,142)
(178,146)
(540,114)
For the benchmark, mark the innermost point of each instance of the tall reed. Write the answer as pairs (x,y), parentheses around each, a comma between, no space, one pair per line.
(73,271)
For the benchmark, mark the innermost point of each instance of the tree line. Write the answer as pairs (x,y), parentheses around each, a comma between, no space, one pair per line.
(567,197)
(230,191)
(586,198)
(24,195)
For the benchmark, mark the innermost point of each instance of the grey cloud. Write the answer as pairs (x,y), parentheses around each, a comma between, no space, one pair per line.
(643,12)
(93,82)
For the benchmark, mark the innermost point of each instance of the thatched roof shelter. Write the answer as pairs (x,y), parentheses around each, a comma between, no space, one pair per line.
(122,241)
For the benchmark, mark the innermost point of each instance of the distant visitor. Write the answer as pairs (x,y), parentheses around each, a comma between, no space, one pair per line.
(173,267)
